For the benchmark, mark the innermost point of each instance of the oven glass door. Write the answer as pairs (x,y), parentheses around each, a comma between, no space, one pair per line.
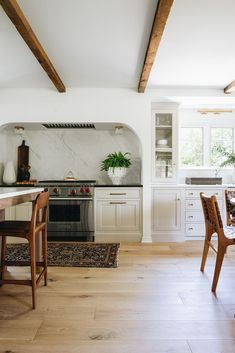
(70,215)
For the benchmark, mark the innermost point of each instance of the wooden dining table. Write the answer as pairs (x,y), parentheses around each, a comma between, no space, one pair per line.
(11,196)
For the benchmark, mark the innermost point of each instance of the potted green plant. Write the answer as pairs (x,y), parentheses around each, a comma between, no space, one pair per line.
(116,165)
(228,159)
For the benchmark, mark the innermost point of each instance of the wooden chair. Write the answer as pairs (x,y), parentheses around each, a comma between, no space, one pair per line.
(230,218)
(214,224)
(28,230)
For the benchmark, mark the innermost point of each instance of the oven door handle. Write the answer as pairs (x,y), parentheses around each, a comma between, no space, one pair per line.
(71,198)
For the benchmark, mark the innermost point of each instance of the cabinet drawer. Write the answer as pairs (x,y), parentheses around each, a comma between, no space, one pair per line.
(191,216)
(196,204)
(195,193)
(195,229)
(118,193)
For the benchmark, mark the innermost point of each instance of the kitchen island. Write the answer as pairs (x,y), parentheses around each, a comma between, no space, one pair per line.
(11,196)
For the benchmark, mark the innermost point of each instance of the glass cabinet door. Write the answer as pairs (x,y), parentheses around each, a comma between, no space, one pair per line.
(163,146)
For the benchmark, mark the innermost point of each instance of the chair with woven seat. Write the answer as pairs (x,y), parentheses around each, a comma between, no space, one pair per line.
(225,235)
(28,230)
(230,216)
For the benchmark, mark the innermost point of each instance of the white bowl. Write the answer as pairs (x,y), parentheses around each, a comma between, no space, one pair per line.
(162,142)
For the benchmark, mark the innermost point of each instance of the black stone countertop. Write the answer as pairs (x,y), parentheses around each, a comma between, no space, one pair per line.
(18,185)
(96,185)
(118,186)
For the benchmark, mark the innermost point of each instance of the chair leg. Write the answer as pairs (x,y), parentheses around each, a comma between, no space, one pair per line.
(32,247)
(44,238)
(3,255)
(205,249)
(218,265)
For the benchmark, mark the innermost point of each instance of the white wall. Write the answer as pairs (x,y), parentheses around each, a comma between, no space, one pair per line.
(87,105)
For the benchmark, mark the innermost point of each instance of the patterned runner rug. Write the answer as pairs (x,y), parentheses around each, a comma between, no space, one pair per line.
(71,254)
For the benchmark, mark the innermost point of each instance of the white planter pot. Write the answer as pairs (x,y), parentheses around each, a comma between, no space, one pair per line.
(9,175)
(116,175)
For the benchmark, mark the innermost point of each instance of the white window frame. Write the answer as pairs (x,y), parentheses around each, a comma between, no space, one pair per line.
(206,140)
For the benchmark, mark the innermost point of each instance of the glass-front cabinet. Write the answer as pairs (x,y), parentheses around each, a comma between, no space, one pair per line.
(164,145)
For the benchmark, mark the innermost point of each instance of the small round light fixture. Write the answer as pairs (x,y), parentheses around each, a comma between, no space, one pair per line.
(119,130)
(19,130)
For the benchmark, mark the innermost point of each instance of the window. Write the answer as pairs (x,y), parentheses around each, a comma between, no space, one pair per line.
(220,137)
(198,145)
(191,147)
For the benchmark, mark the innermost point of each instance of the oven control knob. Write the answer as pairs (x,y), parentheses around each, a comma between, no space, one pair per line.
(46,189)
(87,190)
(82,190)
(56,190)
(73,192)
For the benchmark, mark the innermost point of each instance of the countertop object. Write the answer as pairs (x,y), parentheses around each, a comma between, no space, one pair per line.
(203,181)
(23,162)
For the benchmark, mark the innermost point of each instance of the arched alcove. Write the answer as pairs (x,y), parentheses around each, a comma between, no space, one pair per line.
(55,151)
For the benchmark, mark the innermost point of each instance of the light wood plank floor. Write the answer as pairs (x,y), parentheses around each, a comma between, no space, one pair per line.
(156,301)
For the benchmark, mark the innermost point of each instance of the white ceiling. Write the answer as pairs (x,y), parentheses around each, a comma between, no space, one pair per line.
(92,43)
(102,43)
(198,46)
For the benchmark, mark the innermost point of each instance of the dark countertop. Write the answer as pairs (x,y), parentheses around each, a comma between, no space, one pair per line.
(18,185)
(118,186)
(96,185)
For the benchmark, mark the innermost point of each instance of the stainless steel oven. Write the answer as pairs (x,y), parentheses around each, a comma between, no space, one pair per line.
(71,211)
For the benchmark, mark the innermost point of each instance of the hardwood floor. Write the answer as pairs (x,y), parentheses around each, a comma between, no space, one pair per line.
(156,301)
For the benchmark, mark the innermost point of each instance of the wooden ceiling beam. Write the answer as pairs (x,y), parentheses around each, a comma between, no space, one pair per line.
(17,17)
(159,22)
(230,88)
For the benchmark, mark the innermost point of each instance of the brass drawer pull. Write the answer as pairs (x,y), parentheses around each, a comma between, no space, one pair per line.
(190,204)
(190,228)
(117,203)
(117,193)
(190,216)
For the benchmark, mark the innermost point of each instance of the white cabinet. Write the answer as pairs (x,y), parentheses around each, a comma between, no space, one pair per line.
(166,211)
(164,144)
(194,219)
(20,212)
(177,211)
(118,214)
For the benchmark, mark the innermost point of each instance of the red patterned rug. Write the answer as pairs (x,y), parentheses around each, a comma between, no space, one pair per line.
(71,254)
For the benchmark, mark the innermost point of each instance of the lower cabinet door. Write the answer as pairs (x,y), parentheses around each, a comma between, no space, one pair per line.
(129,216)
(117,215)
(166,210)
(22,212)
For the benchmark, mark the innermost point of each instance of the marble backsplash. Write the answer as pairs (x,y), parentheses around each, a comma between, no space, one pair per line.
(53,153)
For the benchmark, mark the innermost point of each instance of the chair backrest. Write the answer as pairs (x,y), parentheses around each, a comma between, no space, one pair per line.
(40,209)
(212,215)
(228,195)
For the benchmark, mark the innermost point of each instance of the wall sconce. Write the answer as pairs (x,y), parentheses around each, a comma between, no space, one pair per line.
(19,130)
(119,130)
(214,111)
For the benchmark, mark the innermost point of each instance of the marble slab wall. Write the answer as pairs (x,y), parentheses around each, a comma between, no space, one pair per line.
(53,153)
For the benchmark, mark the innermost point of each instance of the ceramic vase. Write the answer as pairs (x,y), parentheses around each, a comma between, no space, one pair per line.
(9,175)
(116,175)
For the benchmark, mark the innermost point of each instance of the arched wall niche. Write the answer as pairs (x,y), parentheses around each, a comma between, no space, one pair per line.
(55,151)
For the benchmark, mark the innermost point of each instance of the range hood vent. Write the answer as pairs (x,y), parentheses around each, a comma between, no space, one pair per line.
(69,126)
